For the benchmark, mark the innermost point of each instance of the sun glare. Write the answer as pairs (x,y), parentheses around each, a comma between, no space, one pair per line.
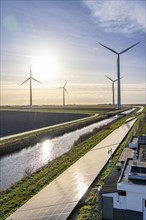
(46,66)
(46,150)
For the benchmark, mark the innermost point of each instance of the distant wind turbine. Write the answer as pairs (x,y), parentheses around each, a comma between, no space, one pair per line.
(118,70)
(30,78)
(113,89)
(64,90)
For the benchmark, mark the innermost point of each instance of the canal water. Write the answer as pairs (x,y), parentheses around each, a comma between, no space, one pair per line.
(17,165)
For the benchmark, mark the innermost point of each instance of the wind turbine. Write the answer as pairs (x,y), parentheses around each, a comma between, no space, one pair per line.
(64,90)
(118,70)
(30,78)
(113,89)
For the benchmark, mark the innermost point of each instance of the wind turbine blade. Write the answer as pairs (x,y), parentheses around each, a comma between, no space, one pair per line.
(109,48)
(25,81)
(65,84)
(36,80)
(66,90)
(117,79)
(129,48)
(59,87)
(109,78)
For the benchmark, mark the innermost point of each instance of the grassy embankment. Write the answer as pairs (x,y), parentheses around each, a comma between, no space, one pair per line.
(88,206)
(19,142)
(25,189)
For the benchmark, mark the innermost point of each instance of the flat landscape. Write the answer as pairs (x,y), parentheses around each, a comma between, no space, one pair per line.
(14,121)
(73,98)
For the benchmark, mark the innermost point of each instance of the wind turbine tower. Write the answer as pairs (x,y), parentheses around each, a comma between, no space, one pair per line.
(113,89)
(118,70)
(64,90)
(30,78)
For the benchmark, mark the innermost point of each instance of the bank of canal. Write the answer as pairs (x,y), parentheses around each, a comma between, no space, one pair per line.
(22,191)
(16,165)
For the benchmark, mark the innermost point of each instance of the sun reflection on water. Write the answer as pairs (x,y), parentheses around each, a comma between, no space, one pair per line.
(46,150)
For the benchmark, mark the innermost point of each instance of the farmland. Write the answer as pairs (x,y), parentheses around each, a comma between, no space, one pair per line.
(16,196)
(76,109)
(17,119)
(13,122)
(18,123)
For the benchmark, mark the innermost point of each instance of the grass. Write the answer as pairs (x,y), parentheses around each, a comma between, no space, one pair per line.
(17,195)
(88,207)
(142,129)
(76,109)
(73,111)
(11,144)
(8,145)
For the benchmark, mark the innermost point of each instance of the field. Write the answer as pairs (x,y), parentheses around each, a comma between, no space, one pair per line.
(13,122)
(25,189)
(83,109)
(17,195)
(17,119)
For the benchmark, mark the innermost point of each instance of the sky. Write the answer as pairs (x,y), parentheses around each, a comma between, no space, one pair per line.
(60,39)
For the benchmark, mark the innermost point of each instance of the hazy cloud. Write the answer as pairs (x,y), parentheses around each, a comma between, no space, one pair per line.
(125,17)
(95,48)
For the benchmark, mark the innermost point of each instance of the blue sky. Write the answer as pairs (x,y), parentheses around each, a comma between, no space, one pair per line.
(60,41)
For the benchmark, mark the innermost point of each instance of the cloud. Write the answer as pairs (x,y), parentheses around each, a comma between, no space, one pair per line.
(96,48)
(124,17)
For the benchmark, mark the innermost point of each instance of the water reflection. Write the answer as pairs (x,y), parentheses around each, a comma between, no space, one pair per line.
(14,166)
(46,150)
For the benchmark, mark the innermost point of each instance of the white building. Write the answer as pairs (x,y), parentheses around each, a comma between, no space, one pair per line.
(124,192)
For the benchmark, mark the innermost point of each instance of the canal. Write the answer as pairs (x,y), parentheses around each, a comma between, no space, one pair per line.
(17,165)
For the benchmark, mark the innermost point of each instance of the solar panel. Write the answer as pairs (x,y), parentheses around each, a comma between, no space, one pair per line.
(142,140)
(57,200)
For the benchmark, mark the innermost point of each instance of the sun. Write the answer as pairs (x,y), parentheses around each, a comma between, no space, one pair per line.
(46,66)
